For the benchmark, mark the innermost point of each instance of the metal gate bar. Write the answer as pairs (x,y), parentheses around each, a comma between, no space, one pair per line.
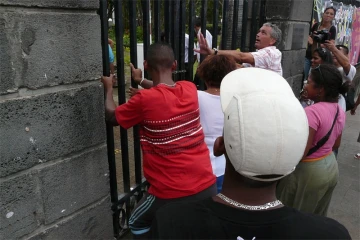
(254,25)
(119,31)
(235,25)
(176,35)
(181,23)
(191,38)
(203,29)
(262,18)
(167,23)
(156,23)
(244,25)
(224,34)
(215,23)
(109,127)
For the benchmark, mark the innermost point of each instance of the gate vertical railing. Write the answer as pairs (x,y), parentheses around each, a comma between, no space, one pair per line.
(109,128)
(254,25)
(175,43)
(244,24)
(191,37)
(182,39)
(156,25)
(224,33)
(175,18)
(204,4)
(215,24)
(235,25)
(121,226)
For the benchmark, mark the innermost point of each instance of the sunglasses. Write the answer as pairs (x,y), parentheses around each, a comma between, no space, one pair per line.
(321,75)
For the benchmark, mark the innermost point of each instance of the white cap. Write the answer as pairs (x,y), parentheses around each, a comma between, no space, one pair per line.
(265,126)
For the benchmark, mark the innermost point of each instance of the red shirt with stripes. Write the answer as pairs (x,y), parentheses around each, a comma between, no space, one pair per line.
(176,160)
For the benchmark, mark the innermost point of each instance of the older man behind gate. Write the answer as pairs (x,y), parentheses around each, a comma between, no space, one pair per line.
(267,55)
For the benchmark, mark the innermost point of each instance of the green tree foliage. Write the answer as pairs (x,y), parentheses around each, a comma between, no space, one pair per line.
(139,13)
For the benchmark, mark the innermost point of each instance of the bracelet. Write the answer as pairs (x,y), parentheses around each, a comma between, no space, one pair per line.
(141,81)
(215,51)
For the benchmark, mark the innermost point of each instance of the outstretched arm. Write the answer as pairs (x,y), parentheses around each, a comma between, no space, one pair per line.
(341,58)
(237,55)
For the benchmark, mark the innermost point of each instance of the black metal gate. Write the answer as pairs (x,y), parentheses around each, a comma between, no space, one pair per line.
(174,18)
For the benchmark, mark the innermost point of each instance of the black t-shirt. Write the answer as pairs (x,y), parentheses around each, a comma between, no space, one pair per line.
(314,28)
(208,219)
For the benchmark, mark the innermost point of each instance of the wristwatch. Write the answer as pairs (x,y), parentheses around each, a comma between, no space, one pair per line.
(215,50)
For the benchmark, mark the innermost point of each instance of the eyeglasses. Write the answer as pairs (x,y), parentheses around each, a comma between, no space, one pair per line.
(321,76)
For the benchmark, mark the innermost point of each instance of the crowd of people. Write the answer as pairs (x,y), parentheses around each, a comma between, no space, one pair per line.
(244,159)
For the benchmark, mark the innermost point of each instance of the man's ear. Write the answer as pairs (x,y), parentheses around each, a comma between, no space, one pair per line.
(272,42)
(219,147)
(145,65)
(174,66)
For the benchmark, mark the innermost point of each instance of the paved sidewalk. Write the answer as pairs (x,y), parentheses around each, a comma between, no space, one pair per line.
(345,203)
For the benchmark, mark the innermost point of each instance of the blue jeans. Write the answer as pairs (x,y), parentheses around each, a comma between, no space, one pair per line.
(219,182)
(307,65)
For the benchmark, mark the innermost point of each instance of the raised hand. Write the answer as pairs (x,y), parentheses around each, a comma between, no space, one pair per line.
(330,45)
(204,47)
(132,91)
(136,74)
(107,81)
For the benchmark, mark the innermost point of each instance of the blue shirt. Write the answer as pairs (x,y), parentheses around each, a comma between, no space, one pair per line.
(111,54)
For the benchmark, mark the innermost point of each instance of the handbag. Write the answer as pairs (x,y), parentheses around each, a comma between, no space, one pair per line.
(322,141)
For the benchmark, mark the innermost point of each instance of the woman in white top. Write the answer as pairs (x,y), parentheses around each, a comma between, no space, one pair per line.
(212,70)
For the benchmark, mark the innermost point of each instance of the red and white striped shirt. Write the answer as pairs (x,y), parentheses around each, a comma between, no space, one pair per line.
(175,157)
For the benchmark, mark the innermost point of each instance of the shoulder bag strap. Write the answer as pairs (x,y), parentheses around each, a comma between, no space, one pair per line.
(322,141)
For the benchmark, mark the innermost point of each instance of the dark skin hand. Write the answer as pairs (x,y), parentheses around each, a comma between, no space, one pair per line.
(133,91)
(110,105)
(136,75)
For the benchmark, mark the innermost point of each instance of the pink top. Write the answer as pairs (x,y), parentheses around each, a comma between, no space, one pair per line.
(320,117)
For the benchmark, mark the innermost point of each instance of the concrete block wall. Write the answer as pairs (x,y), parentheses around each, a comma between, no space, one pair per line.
(54,179)
(293,18)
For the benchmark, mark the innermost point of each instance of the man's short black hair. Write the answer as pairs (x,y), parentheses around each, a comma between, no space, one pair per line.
(346,49)
(197,22)
(160,55)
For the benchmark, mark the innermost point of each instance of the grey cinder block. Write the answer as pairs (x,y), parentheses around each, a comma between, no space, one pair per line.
(18,206)
(76,182)
(48,49)
(92,223)
(48,126)
(293,62)
(84,4)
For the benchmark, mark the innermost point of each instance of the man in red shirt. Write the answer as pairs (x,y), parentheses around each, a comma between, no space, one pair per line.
(175,157)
